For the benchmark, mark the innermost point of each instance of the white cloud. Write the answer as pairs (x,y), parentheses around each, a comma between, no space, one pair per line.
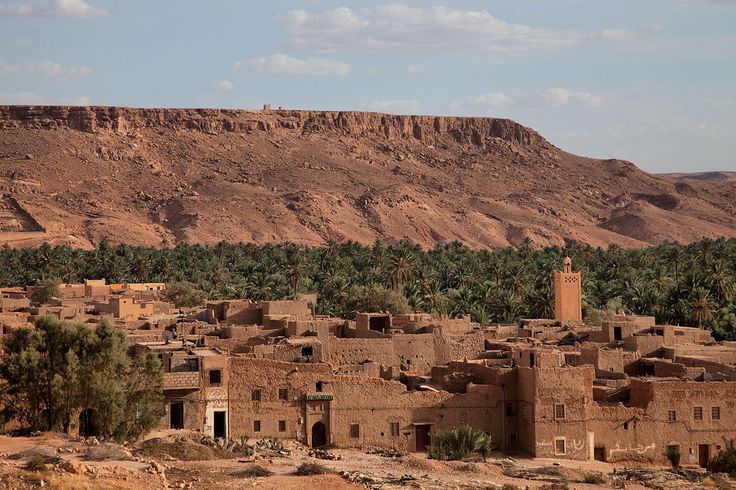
(282,64)
(557,97)
(411,70)
(587,99)
(57,8)
(21,98)
(399,27)
(551,97)
(44,69)
(7,69)
(398,106)
(491,100)
(56,70)
(81,101)
(619,35)
(222,86)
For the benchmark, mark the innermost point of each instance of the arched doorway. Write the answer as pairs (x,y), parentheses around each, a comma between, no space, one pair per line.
(319,434)
(88,423)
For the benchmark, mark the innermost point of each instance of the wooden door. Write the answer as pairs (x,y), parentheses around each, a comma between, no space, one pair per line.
(703,455)
(423,437)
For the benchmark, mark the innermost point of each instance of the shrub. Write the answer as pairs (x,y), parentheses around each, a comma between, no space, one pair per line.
(36,463)
(272,444)
(458,444)
(255,471)
(673,455)
(594,478)
(308,469)
(725,460)
(106,452)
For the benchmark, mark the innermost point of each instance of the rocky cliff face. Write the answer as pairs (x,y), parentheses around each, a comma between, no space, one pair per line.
(79,174)
(466,130)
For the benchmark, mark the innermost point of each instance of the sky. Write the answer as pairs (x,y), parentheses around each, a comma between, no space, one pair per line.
(650,81)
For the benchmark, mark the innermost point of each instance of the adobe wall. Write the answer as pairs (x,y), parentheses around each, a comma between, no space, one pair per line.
(13,304)
(269,376)
(647,345)
(646,438)
(354,351)
(296,308)
(711,367)
(573,387)
(374,404)
(609,360)
(722,354)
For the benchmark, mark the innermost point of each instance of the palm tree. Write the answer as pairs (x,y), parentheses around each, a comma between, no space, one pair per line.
(402,267)
(700,306)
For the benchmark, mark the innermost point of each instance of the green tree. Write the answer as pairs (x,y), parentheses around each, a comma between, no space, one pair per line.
(46,289)
(59,369)
(184,294)
(376,298)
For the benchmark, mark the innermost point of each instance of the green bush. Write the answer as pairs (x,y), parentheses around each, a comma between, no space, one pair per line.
(673,455)
(459,444)
(725,460)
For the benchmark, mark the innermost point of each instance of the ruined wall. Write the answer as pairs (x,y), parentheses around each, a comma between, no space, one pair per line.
(646,345)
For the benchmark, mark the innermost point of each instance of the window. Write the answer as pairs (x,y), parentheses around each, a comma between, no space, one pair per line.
(307,351)
(283,394)
(560,446)
(698,413)
(394,429)
(715,413)
(672,416)
(215,377)
(282,425)
(355,430)
(256,426)
(559,411)
(510,409)
(626,426)
(318,386)
(191,365)
(255,395)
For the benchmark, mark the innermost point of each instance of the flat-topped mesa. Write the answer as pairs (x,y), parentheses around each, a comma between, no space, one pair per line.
(467,130)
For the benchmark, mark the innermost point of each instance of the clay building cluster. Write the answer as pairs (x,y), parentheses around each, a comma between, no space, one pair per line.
(621,391)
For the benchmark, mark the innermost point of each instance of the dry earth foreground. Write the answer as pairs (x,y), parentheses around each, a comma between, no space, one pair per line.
(177,459)
(77,174)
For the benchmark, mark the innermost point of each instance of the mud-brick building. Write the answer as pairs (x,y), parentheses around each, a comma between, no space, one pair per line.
(309,403)
(195,387)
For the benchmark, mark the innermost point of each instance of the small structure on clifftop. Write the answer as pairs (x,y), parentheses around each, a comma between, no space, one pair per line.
(568,294)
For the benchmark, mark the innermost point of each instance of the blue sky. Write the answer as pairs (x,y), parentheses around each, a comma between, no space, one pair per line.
(651,81)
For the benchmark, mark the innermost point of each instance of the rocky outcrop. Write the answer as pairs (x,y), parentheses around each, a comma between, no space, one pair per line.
(477,131)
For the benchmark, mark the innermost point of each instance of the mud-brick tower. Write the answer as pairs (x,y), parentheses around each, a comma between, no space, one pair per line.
(568,294)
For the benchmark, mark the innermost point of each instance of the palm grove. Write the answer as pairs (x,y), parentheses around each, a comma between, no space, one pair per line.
(679,284)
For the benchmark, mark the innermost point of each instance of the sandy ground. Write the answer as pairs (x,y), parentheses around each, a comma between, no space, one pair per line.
(354,469)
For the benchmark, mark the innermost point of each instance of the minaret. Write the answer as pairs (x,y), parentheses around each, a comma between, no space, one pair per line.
(568,294)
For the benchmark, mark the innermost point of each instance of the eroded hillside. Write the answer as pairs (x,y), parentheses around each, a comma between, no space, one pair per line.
(76,175)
